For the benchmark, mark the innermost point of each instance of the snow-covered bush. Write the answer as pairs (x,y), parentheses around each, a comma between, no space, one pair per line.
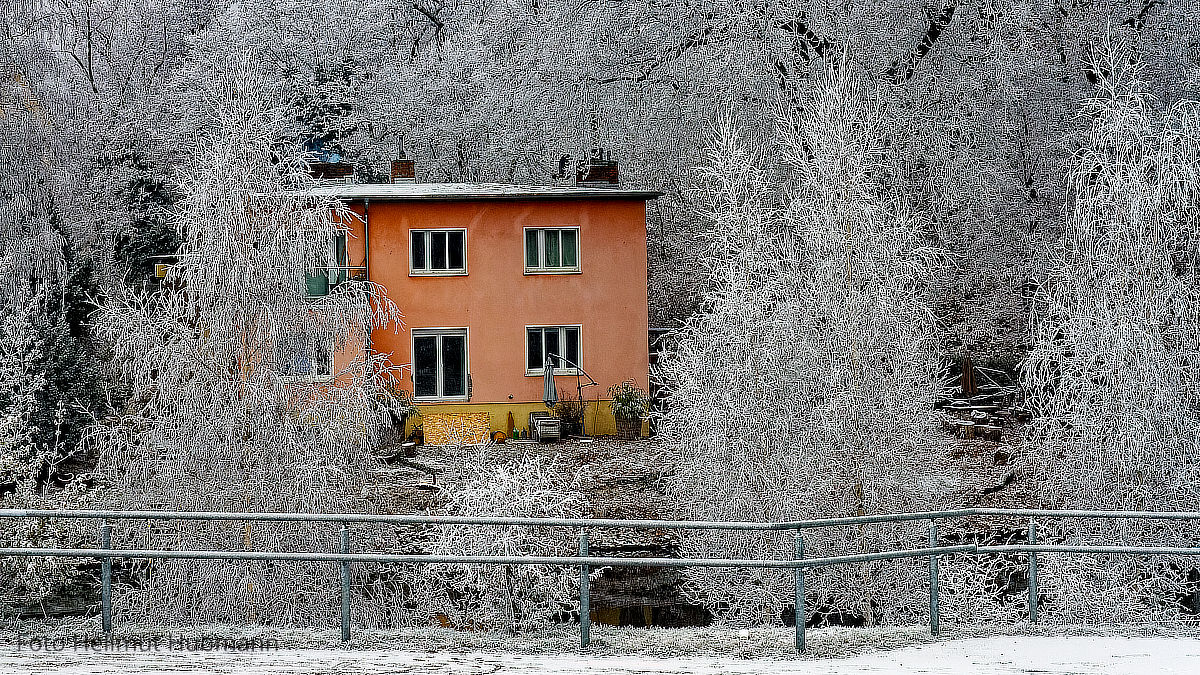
(509,597)
(805,387)
(33,582)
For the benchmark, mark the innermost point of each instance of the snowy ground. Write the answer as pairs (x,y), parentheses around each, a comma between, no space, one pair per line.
(977,656)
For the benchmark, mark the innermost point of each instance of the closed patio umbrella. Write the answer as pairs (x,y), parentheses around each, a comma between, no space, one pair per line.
(549,393)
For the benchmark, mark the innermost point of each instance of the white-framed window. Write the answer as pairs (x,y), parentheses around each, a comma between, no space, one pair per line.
(551,250)
(437,252)
(318,280)
(564,344)
(303,357)
(439,364)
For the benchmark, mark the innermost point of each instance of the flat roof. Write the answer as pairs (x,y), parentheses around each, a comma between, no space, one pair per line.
(471,191)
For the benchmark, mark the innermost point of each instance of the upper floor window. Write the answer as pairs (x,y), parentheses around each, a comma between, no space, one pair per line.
(559,344)
(436,252)
(551,249)
(318,280)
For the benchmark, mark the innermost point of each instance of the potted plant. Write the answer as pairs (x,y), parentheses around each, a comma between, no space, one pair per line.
(569,409)
(629,404)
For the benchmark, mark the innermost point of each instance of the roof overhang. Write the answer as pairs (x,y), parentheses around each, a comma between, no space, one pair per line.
(470,192)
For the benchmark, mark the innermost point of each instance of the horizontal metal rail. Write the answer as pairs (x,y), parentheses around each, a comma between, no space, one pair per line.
(594,561)
(1075,513)
(1055,548)
(607,523)
(389,519)
(871,520)
(887,555)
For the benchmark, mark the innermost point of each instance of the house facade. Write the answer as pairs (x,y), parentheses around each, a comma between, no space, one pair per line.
(493,280)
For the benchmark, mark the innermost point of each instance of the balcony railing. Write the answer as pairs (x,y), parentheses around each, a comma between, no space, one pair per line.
(320,280)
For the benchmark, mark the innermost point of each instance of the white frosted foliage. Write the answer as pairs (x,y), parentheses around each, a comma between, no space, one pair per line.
(805,387)
(1113,373)
(215,419)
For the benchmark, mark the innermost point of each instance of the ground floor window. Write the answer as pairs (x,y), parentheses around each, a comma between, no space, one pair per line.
(561,343)
(440,363)
(303,357)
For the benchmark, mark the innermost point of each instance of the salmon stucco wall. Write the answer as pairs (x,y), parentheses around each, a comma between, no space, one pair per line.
(496,299)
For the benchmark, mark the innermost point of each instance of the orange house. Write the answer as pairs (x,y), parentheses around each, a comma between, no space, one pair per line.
(494,279)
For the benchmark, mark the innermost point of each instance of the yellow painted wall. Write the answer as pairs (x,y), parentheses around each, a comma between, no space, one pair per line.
(597,421)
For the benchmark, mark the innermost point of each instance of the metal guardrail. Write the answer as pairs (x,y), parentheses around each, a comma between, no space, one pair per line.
(589,522)
(105,553)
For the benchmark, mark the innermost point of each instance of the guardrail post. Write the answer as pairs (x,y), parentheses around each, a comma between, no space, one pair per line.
(585,609)
(801,612)
(345,586)
(933,579)
(106,579)
(1033,590)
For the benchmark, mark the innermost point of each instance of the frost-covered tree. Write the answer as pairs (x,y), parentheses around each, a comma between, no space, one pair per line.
(47,388)
(139,228)
(986,90)
(34,272)
(245,394)
(1113,376)
(30,455)
(805,387)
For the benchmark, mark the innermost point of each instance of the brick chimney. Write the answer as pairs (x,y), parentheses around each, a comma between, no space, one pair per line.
(336,172)
(599,171)
(404,171)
